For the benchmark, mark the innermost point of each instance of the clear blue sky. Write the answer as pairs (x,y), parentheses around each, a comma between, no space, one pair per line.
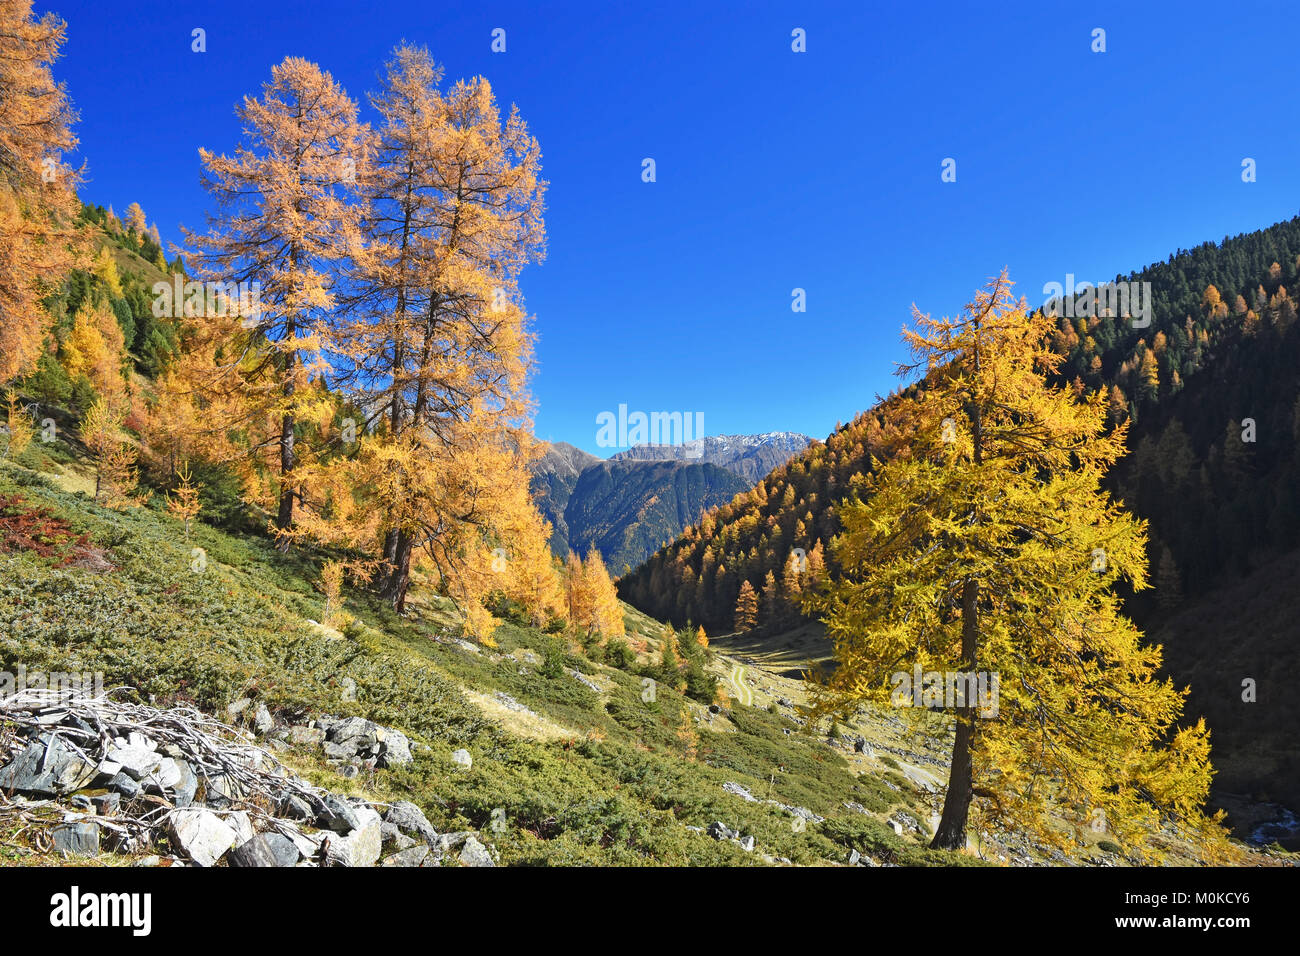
(775,170)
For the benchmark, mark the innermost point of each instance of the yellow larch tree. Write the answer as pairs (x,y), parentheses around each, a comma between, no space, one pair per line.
(284,223)
(988,548)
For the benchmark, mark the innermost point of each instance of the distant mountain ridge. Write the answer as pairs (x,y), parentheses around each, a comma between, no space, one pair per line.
(749,456)
(630,504)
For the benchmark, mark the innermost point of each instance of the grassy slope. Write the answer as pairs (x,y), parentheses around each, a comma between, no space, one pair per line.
(593,778)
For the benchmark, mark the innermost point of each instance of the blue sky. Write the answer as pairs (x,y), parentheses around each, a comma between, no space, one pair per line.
(775,169)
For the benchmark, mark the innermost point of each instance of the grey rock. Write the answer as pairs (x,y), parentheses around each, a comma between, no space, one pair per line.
(739,791)
(307,736)
(46,767)
(283,849)
(396,749)
(462,758)
(362,846)
(854,857)
(356,735)
(747,844)
(417,855)
(253,852)
(408,818)
(262,720)
(337,815)
(183,791)
(238,707)
(200,834)
(124,786)
(393,839)
(76,839)
(106,804)
(720,831)
(81,801)
(474,853)
(296,808)
(163,777)
(137,761)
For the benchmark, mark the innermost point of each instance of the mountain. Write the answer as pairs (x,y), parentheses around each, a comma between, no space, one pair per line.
(1211,387)
(628,508)
(749,456)
(554,476)
(631,503)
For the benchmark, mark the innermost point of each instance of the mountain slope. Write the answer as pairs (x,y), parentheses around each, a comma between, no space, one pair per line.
(628,508)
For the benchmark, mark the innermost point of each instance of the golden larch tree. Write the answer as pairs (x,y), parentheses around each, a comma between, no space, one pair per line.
(284,223)
(989,550)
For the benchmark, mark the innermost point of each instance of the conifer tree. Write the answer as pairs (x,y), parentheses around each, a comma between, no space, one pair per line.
(989,548)
(40,240)
(284,222)
(746,618)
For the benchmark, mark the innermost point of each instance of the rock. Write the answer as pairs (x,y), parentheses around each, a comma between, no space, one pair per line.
(262,720)
(898,827)
(356,735)
(222,790)
(392,839)
(474,853)
(243,826)
(307,736)
(254,852)
(46,767)
(82,801)
(200,834)
(412,856)
(854,857)
(238,707)
(184,790)
(76,839)
(296,808)
(720,831)
(362,846)
(335,751)
(462,758)
(307,844)
(739,791)
(335,814)
(124,786)
(106,804)
(747,844)
(397,749)
(284,850)
(136,761)
(163,777)
(408,818)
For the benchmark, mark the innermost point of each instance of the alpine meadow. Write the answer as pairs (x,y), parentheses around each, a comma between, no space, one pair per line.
(322,546)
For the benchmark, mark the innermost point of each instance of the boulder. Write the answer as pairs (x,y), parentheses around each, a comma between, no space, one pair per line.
(46,767)
(720,831)
(262,720)
(462,758)
(474,853)
(200,834)
(253,852)
(747,844)
(106,804)
(362,846)
(411,856)
(124,786)
(336,814)
(283,849)
(408,818)
(76,839)
(397,749)
(137,761)
(307,736)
